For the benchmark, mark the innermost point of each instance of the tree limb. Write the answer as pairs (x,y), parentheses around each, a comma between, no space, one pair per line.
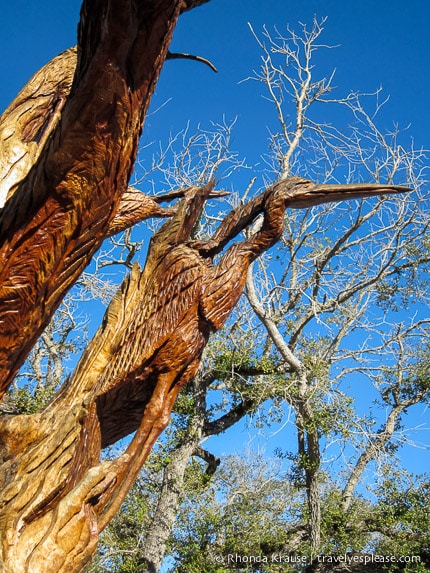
(212,461)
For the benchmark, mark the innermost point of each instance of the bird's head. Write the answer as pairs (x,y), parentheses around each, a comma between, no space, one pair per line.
(301,193)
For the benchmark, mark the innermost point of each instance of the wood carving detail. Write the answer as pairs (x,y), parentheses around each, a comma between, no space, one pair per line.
(65,172)
(68,160)
(147,348)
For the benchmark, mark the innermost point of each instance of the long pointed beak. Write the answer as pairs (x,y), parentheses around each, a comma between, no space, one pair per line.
(314,194)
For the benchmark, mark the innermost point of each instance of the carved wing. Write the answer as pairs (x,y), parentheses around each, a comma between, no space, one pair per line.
(29,120)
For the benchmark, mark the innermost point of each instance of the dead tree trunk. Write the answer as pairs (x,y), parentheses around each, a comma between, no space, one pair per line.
(66,192)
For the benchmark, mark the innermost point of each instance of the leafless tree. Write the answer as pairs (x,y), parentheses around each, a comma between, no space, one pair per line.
(330,314)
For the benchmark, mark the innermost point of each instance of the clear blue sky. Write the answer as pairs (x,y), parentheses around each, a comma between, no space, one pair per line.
(381,43)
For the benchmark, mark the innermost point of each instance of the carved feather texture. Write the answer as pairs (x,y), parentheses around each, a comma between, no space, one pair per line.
(59,201)
(30,119)
(158,328)
(160,333)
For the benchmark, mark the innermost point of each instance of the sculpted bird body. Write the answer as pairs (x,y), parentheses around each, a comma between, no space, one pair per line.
(160,321)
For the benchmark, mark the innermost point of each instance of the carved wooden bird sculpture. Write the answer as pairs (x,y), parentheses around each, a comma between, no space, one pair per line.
(158,324)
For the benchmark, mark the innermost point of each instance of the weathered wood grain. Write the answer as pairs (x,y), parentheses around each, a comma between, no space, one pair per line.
(65,170)
(60,199)
(147,348)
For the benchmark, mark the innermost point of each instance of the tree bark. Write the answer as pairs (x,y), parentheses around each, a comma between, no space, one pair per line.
(171,492)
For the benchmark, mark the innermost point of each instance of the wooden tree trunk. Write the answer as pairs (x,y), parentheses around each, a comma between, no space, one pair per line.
(56,495)
(72,170)
(73,154)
